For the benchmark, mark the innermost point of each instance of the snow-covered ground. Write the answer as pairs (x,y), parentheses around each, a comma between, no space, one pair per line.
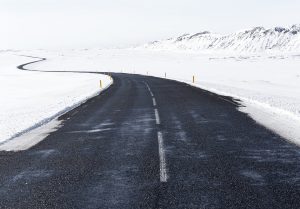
(29,99)
(267,84)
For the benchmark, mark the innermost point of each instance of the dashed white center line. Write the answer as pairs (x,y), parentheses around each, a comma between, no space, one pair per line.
(154,102)
(157,116)
(148,87)
(162,158)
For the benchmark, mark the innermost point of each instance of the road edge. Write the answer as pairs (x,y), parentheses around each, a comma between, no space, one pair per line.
(64,111)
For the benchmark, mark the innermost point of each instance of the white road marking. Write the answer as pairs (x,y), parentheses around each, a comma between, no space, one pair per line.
(157,117)
(148,87)
(162,158)
(154,102)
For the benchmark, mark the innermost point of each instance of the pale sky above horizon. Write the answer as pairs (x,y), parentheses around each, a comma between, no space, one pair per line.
(96,23)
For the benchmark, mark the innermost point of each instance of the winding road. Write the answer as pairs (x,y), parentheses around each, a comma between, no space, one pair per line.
(154,143)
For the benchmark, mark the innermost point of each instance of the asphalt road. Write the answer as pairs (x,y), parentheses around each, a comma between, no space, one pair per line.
(154,143)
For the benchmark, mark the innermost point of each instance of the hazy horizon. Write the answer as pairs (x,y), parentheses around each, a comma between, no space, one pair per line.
(83,24)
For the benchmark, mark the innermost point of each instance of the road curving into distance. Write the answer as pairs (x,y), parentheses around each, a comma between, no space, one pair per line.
(148,142)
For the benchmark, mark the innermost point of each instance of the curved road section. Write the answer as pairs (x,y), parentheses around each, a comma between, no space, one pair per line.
(153,143)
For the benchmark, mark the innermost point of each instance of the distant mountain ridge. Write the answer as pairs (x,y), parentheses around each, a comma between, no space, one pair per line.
(255,40)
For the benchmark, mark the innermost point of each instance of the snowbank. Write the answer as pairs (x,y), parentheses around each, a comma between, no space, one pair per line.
(29,99)
(266,83)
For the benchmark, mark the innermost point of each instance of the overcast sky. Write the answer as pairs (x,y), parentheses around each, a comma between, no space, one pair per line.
(97,23)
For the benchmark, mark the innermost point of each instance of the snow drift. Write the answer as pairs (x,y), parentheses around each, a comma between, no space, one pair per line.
(255,40)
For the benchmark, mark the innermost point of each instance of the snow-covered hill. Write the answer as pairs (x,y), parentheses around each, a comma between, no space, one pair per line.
(255,40)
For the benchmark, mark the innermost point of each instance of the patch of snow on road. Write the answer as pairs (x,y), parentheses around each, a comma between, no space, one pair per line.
(31,138)
(276,120)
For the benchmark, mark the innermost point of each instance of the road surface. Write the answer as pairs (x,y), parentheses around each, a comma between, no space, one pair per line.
(154,143)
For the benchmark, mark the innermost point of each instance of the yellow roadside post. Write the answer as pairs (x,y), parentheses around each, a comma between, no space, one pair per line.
(100,84)
(193,79)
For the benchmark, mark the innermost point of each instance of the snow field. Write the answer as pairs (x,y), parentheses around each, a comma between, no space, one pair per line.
(265,83)
(29,99)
